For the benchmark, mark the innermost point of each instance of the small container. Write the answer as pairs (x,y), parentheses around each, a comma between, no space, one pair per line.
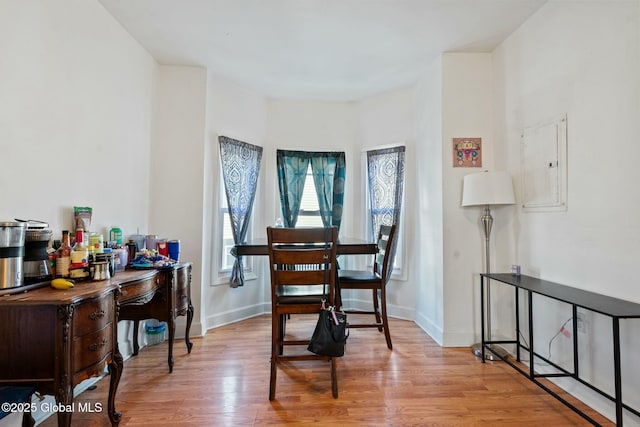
(174,249)
(163,247)
(139,240)
(101,271)
(115,235)
(108,257)
(155,331)
(515,270)
(121,258)
(96,242)
(151,242)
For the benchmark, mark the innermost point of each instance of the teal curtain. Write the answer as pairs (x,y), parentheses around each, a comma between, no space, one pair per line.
(240,170)
(328,170)
(328,176)
(292,173)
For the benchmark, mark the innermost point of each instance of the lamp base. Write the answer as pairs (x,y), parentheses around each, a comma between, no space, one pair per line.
(477,351)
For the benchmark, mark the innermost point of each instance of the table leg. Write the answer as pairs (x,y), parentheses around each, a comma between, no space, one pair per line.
(172,334)
(482,349)
(115,372)
(617,370)
(531,355)
(64,400)
(517,301)
(136,346)
(186,332)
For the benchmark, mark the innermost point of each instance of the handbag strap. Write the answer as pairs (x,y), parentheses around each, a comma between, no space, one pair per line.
(325,258)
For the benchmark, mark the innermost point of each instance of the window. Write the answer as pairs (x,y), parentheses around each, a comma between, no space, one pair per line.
(302,174)
(398,260)
(240,163)
(309,215)
(384,189)
(225,233)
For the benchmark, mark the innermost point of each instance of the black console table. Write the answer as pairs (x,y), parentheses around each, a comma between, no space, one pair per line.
(615,308)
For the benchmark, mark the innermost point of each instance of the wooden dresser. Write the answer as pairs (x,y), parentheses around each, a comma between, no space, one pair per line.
(53,339)
(157,294)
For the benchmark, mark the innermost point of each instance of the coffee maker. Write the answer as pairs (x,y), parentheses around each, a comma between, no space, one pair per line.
(11,254)
(36,266)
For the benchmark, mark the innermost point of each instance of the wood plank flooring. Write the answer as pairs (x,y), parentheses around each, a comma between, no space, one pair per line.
(225,382)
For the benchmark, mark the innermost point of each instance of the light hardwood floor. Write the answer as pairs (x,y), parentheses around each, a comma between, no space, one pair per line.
(225,382)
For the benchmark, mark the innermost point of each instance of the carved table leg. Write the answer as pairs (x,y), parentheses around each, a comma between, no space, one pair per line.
(136,346)
(172,333)
(64,400)
(186,332)
(115,371)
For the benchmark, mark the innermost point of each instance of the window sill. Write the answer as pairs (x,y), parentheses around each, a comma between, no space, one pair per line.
(224,279)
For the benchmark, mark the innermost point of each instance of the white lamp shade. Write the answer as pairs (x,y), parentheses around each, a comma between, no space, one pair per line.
(488,188)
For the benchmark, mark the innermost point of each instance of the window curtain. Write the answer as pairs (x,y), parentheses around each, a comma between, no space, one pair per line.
(328,170)
(328,177)
(240,170)
(385,169)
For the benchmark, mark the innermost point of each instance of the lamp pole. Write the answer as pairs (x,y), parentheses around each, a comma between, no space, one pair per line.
(487,223)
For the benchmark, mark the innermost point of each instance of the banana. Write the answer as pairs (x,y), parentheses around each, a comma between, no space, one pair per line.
(61,284)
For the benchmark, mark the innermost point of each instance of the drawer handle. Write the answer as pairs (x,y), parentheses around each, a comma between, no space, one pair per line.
(96,315)
(95,346)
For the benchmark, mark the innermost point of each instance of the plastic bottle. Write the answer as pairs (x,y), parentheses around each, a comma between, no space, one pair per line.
(115,235)
(80,251)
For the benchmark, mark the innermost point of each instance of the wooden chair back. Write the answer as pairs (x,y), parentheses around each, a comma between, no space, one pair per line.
(302,262)
(383,263)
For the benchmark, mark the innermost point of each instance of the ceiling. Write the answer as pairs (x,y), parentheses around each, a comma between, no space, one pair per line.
(337,50)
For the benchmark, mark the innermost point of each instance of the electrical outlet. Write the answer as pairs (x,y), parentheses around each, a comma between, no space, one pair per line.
(582,323)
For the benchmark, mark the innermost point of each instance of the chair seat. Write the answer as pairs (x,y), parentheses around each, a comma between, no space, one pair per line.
(358,276)
(300,295)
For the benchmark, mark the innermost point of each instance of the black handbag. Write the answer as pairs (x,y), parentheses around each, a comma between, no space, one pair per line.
(330,335)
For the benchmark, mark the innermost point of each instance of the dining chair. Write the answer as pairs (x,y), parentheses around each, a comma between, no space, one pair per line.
(302,263)
(374,280)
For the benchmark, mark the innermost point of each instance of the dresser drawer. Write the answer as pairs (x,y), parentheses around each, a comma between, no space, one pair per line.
(182,289)
(91,348)
(93,315)
(139,292)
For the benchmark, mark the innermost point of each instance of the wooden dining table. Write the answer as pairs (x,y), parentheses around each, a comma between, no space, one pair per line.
(346,246)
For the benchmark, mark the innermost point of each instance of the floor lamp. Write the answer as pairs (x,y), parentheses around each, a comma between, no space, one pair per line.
(487,189)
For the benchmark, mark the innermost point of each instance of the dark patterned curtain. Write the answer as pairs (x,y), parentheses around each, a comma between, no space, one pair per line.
(385,170)
(240,170)
(328,170)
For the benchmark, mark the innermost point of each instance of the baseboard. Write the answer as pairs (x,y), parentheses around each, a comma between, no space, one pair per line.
(431,329)
(233,316)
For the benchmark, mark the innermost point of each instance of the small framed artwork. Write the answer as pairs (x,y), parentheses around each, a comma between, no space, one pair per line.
(467,152)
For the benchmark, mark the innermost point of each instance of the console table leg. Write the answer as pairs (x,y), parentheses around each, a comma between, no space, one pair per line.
(136,346)
(482,349)
(617,370)
(186,332)
(115,371)
(172,334)
(531,355)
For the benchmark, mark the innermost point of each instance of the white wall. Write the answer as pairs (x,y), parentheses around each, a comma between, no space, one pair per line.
(428,238)
(76,94)
(241,114)
(178,168)
(582,59)
(467,99)
(75,111)
(389,119)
